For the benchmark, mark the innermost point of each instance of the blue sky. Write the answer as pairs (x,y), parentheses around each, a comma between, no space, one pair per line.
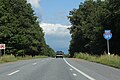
(52,15)
(56,11)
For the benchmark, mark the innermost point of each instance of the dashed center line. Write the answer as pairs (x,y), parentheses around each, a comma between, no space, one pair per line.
(34,63)
(13,72)
(71,69)
(42,60)
(74,74)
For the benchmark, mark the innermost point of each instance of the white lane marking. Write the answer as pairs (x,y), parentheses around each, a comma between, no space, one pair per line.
(43,60)
(74,74)
(71,69)
(84,74)
(34,63)
(13,72)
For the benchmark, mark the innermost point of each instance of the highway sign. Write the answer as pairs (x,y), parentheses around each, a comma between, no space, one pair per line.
(107,34)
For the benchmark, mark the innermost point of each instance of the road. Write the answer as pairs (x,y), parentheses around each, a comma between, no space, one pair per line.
(57,69)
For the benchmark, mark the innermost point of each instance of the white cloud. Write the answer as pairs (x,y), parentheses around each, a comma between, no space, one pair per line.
(34,3)
(57,36)
(55,29)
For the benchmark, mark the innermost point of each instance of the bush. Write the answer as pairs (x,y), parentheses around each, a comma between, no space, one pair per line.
(20,53)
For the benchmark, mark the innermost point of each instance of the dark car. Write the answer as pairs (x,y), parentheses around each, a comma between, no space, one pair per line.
(59,54)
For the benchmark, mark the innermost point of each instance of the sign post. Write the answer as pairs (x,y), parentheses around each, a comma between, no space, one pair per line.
(108,47)
(107,35)
(2,46)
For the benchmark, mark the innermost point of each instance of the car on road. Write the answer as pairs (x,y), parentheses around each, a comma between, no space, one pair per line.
(59,54)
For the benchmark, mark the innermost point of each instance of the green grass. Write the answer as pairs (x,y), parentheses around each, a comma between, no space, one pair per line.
(111,60)
(30,57)
(11,58)
(7,58)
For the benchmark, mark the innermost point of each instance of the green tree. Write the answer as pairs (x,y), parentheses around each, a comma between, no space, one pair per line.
(19,28)
(113,23)
(88,22)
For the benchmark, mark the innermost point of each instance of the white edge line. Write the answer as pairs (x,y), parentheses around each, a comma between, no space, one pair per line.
(87,76)
(13,72)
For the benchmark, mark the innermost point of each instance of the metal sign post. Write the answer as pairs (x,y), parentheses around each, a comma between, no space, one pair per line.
(4,51)
(107,35)
(108,47)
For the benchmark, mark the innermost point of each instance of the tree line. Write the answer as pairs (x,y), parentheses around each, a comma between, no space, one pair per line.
(20,30)
(88,24)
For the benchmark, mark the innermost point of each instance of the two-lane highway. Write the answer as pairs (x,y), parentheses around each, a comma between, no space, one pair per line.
(57,69)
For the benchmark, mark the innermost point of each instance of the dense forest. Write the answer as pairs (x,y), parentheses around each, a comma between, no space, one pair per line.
(88,24)
(20,30)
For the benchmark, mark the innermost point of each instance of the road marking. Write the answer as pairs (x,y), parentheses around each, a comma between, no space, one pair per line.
(74,74)
(13,72)
(34,63)
(42,60)
(84,74)
(71,69)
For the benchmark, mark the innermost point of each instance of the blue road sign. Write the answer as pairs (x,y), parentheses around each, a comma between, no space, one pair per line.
(107,35)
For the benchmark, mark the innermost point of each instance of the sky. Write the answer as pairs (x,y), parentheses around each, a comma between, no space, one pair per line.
(52,17)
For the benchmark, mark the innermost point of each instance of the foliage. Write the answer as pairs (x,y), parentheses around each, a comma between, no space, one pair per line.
(12,58)
(111,60)
(88,24)
(7,58)
(20,30)
(20,53)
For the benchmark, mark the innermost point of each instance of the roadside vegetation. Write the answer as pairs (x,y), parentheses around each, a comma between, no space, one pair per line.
(110,60)
(20,31)
(88,24)
(12,58)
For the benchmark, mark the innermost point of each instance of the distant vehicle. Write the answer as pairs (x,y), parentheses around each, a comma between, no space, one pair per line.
(59,54)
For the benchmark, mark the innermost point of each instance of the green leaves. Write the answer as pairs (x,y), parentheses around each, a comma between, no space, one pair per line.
(19,29)
(88,23)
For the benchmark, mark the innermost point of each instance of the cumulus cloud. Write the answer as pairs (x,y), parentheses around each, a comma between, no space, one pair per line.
(57,36)
(55,29)
(34,3)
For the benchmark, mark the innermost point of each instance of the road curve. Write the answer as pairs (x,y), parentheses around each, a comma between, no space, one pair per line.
(57,69)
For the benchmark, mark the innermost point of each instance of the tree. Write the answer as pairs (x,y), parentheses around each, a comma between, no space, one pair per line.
(19,28)
(88,24)
(113,23)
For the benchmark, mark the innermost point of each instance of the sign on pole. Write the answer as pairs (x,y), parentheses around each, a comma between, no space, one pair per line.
(107,35)
(2,46)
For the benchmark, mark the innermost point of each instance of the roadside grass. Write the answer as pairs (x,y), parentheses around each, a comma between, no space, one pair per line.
(30,57)
(12,58)
(7,58)
(110,60)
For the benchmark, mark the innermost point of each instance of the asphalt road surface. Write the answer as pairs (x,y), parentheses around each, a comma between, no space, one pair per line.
(57,69)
